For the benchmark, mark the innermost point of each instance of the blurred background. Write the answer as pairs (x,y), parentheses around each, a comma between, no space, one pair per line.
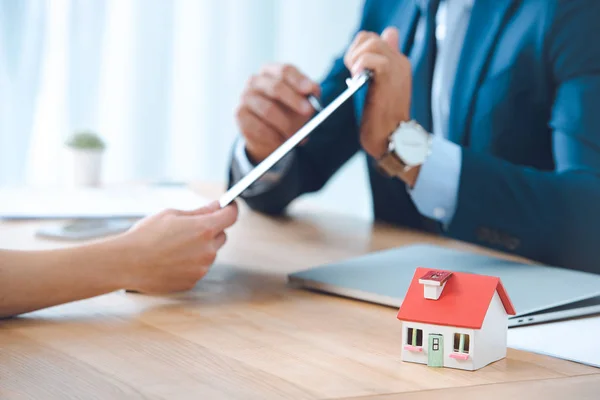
(158,80)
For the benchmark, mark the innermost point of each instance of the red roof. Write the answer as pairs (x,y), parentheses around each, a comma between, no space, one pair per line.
(464,302)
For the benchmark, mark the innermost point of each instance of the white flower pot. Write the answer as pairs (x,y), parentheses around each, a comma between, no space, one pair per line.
(86,167)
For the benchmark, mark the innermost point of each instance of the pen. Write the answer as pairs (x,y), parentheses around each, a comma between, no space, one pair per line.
(315,103)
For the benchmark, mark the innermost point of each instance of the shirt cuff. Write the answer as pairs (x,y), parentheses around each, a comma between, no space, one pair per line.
(436,189)
(242,165)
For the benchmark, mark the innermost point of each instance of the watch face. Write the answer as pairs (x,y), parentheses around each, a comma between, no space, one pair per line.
(412,145)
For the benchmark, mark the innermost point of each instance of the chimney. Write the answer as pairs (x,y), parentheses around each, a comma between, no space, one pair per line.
(433,283)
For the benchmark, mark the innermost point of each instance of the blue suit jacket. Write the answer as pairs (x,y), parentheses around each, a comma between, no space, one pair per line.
(526,111)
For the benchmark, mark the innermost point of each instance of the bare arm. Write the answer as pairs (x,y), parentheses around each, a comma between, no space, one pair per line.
(32,280)
(167,252)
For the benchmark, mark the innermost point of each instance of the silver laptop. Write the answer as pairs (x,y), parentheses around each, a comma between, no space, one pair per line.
(539,293)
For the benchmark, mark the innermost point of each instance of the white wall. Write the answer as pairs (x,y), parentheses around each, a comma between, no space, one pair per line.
(492,338)
(448,334)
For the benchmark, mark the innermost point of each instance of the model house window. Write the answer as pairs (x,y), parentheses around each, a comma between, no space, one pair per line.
(414,337)
(461,343)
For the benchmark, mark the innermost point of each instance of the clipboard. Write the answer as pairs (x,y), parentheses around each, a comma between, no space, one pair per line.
(257,172)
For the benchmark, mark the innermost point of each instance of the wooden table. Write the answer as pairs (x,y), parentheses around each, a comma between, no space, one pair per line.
(244,334)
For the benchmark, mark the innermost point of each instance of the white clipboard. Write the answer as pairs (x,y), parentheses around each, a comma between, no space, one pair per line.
(353,84)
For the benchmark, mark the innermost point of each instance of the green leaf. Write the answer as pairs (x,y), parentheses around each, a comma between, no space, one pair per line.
(86,140)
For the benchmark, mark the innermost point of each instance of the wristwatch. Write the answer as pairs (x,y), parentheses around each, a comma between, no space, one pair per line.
(409,146)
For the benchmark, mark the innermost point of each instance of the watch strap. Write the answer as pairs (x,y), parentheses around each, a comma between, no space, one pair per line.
(391,163)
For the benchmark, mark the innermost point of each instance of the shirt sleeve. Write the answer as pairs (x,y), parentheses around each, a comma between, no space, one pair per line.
(436,189)
(242,165)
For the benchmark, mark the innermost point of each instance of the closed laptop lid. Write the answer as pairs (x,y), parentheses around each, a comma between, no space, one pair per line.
(384,277)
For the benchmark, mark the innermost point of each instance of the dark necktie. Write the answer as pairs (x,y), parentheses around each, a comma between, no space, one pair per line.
(422,59)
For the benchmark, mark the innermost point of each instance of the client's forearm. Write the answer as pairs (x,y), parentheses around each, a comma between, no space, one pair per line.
(32,280)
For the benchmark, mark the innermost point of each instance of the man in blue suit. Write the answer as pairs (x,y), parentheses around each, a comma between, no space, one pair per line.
(481,123)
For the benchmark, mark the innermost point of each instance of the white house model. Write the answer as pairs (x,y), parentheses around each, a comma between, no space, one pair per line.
(454,319)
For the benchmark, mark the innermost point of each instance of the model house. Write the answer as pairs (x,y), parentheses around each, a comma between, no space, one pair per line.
(454,319)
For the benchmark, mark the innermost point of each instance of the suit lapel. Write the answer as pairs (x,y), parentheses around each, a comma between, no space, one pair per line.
(405,20)
(487,19)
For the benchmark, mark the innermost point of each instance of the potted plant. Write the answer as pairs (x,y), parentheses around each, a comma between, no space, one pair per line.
(87,149)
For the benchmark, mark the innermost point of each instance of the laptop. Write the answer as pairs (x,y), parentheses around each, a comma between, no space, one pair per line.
(539,293)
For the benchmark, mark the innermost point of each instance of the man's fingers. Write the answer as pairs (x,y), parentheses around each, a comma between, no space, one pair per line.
(256,131)
(270,113)
(390,36)
(360,38)
(290,74)
(374,62)
(373,45)
(283,92)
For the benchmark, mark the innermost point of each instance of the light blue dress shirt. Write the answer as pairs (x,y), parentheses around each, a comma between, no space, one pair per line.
(436,188)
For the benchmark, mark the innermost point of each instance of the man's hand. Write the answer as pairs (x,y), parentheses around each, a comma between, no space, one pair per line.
(389,96)
(273,107)
(172,250)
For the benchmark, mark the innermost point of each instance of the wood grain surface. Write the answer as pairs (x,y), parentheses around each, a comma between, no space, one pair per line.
(244,333)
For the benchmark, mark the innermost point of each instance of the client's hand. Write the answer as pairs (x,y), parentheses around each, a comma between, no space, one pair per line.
(273,107)
(172,250)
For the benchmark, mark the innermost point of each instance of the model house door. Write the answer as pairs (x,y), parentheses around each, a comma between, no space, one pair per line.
(436,350)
